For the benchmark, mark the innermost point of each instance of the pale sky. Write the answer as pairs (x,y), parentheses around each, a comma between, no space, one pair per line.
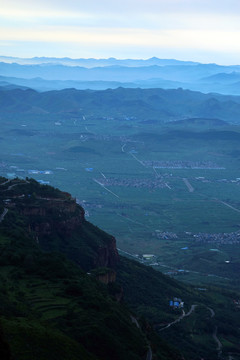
(198,30)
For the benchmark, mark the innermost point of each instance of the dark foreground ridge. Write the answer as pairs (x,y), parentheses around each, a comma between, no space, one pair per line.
(67,294)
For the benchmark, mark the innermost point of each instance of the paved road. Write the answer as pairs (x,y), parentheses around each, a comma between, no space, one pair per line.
(188,185)
(230,206)
(133,221)
(140,162)
(111,192)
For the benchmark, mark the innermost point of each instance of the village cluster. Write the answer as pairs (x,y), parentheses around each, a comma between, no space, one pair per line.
(219,238)
(157,183)
(180,164)
(204,180)
(166,235)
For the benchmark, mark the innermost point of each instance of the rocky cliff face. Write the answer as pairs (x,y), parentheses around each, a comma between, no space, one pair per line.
(45,220)
(49,219)
(108,277)
(51,216)
(107,255)
(57,223)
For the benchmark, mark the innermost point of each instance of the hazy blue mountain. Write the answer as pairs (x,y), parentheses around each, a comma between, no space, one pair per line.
(45,74)
(108,73)
(91,62)
(113,73)
(223,77)
(40,84)
(5,85)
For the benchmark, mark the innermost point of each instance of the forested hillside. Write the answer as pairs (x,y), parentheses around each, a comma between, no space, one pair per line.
(66,293)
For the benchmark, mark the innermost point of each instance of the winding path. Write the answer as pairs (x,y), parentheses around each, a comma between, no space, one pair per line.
(149,354)
(193,307)
(219,344)
(5,182)
(5,211)
(214,335)
(123,147)
(12,186)
(211,311)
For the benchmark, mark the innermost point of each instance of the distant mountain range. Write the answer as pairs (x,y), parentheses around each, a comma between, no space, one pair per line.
(91,62)
(44,74)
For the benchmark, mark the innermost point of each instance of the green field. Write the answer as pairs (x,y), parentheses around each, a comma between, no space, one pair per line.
(104,163)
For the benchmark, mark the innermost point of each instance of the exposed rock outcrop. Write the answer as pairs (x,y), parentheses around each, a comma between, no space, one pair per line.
(107,277)
(48,218)
(57,223)
(51,215)
(107,255)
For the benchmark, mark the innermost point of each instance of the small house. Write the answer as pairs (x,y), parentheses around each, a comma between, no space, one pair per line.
(176,303)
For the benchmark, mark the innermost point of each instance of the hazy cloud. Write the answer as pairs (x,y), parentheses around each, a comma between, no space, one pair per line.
(147,25)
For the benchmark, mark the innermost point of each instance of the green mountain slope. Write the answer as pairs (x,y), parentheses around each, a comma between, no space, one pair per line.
(51,308)
(67,294)
(153,104)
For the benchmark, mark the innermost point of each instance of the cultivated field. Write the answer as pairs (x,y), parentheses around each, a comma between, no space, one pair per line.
(141,181)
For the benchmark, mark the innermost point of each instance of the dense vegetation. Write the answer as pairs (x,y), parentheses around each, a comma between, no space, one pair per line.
(50,307)
(54,308)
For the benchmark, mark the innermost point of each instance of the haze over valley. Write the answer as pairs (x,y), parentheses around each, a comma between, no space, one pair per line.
(148,151)
(158,169)
(119,180)
(98,74)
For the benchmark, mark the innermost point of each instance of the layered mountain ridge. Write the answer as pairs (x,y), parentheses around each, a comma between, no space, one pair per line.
(45,74)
